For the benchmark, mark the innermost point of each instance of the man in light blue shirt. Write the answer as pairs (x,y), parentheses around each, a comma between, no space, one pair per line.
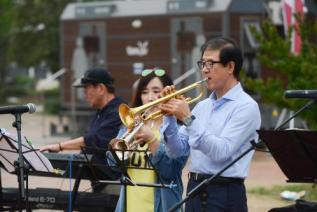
(217,131)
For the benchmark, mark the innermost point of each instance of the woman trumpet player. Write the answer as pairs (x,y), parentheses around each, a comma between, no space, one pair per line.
(150,199)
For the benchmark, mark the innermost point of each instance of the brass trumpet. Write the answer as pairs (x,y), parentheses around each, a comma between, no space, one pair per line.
(121,145)
(129,116)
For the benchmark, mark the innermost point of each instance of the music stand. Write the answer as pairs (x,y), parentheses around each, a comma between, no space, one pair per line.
(33,160)
(295,153)
(299,143)
(97,169)
(33,157)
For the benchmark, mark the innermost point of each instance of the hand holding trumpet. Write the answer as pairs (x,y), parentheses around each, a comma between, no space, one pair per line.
(177,106)
(144,135)
(147,135)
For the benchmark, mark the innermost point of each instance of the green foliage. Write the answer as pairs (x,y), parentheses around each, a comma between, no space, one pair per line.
(35,32)
(20,86)
(51,101)
(5,23)
(2,92)
(29,34)
(292,71)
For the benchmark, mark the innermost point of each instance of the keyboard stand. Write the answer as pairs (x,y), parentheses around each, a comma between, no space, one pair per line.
(76,185)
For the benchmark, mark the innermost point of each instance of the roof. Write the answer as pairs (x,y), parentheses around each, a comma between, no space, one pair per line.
(247,6)
(102,9)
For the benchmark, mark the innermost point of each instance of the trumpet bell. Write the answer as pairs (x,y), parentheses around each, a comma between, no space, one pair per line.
(118,143)
(120,147)
(126,116)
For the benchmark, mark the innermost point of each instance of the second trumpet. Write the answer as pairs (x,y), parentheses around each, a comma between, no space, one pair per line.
(123,145)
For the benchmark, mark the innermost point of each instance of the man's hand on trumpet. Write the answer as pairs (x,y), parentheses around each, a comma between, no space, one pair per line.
(177,106)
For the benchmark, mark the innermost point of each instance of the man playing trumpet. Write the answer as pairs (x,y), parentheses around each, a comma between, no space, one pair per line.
(217,130)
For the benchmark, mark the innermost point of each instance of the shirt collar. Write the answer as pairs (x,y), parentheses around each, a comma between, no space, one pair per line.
(232,94)
(112,103)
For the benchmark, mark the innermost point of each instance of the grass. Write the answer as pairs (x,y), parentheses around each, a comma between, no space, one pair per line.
(311,192)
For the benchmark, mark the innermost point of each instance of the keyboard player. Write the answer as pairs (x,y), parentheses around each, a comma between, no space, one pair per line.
(100,94)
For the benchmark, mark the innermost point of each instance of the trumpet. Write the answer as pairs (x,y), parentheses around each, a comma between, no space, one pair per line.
(131,116)
(125,143)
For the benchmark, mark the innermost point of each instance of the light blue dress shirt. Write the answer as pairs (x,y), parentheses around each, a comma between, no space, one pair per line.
(221,132)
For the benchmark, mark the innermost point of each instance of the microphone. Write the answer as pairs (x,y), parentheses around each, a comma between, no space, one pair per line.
(301,94)
(16,109)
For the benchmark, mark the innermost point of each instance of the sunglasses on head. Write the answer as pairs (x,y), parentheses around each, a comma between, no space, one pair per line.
(158,72)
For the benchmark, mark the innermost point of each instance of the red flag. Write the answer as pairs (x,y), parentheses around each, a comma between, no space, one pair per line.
(290,8)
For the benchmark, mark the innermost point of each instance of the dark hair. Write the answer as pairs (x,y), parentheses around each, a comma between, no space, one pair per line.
(110,88)
(229,51)
(143,82)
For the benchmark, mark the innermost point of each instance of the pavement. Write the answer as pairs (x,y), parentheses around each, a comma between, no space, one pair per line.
(264,171)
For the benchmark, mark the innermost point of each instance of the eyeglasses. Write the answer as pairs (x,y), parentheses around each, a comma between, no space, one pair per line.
(208,64)
(158,72)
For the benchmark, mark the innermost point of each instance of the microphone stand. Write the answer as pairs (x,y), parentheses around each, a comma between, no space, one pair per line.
(307,105)
(205,182)
(20,166)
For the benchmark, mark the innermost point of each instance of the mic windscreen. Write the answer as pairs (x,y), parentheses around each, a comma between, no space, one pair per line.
(301,94)
(32,107)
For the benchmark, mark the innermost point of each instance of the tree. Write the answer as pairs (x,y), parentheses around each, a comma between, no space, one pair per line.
(292,72)
(29,34)
(35,32)
(5,23)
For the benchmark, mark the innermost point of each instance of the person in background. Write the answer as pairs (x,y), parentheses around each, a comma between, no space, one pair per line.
(216,131)
(100,94)
(148,139)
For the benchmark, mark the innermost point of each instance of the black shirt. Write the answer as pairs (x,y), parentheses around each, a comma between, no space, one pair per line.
(104,126)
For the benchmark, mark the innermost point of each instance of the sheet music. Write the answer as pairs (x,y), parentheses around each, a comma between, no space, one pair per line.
(9,153)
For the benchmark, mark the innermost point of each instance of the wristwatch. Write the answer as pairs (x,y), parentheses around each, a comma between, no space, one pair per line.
(188,120)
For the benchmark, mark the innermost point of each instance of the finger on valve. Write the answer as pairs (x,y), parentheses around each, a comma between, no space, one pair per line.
(166,91)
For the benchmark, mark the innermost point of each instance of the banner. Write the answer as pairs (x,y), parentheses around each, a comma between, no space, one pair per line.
(290,8)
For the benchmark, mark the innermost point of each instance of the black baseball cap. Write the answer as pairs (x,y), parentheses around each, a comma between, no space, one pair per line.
(95,76)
